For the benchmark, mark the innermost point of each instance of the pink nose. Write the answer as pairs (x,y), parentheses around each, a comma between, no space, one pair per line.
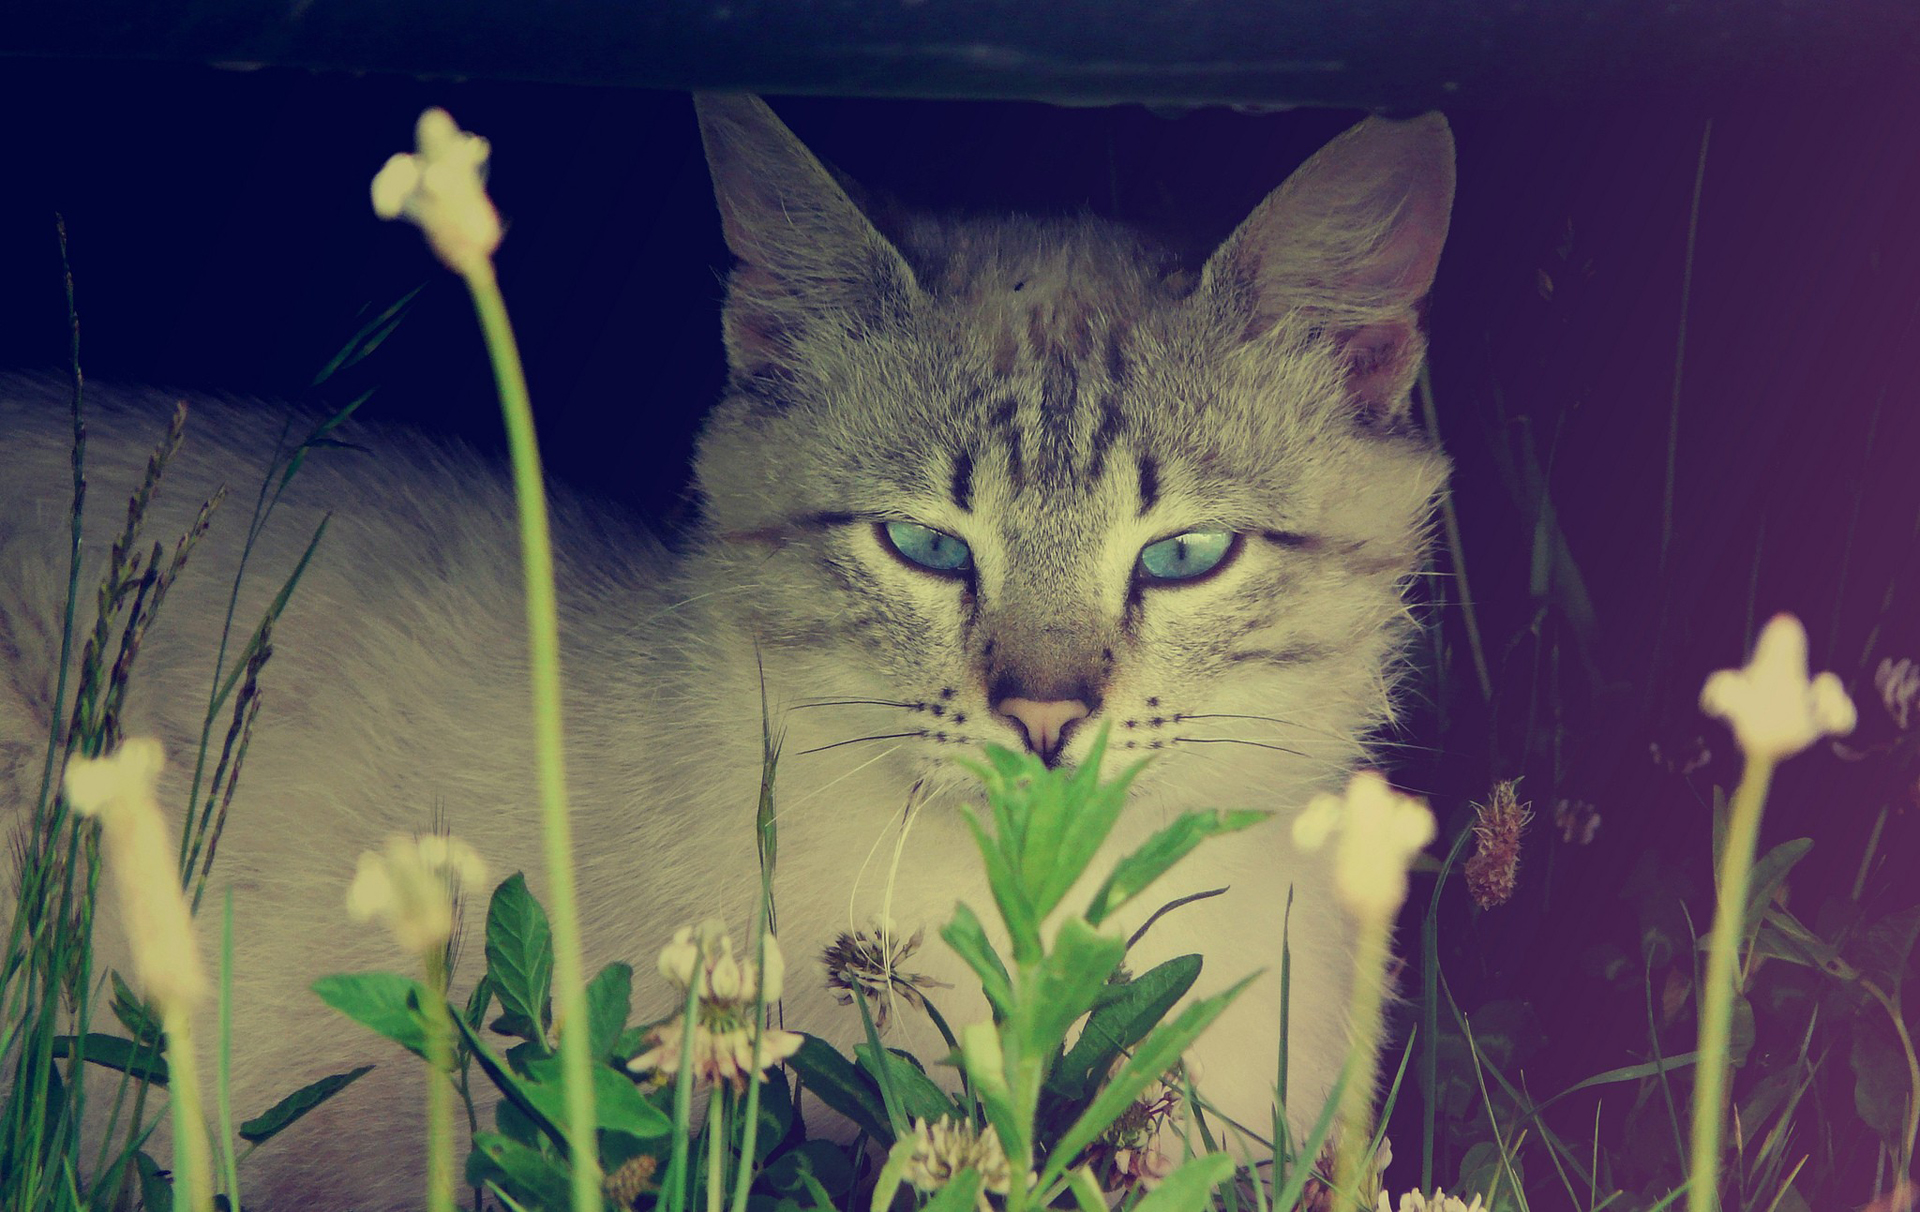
(1044,723)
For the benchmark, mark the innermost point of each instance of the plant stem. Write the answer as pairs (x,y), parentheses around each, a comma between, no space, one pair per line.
(223,1093)
(716,1147)
(1716,1001)
(1356,1100)
(192,1160)
(543,639)
(439,1086)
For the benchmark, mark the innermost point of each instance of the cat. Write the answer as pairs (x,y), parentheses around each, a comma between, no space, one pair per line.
(971,481)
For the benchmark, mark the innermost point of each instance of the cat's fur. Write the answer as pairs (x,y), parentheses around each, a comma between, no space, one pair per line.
(1057,392)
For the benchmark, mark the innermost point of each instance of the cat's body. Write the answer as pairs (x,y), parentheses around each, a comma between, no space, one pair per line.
(1056,395)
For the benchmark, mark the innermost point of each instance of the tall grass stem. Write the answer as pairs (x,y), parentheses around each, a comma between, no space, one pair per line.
(543,638)
(192,1160)
(1356,1101)
(439,1085)
(1721,983)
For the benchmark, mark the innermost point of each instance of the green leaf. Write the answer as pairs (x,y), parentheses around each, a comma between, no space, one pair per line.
(477,1002)
(609,1001)
(893,1174)
(131,1010)
(1009,896)
(617,1103)
(969,939)
(121,1055)
(919,1097)
(813,1163)
(1740,1031)
(1880,1090)
(1155,1055)
(389,1004)
(986,1067)
(1124,1016)
(519,958)
(505,1081)
(1065,986)
(843,1086)
(1134,873)
(1190,1188)
(1085,1189)
(539,1180)
(959,1195)
(1769,872)
(156,1189)
(1485,1171)
(269,1123)
(1883,949)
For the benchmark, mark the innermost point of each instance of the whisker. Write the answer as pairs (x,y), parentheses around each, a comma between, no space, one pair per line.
(885,736)
(780,812)
(1228,740)
(1387,742)
(850,703)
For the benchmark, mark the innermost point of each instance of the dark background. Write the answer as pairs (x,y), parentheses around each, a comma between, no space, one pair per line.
(221,239)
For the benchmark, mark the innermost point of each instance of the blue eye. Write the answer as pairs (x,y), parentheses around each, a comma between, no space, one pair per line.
(1186,557)
(933,550)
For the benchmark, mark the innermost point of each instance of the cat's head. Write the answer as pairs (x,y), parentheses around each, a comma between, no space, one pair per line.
(1021,477)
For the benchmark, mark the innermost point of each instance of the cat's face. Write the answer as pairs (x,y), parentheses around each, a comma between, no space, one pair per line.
(1029,478)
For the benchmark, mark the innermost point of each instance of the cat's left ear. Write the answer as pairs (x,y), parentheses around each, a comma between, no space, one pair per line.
(808,255)
(1347,247)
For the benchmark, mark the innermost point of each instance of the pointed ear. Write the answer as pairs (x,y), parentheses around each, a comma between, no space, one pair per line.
(806,251)
(1347,248)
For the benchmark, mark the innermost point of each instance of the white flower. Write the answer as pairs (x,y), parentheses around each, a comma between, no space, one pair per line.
(120,792)
(441,188)
(1439,1201)
(1380,832)
(1899,685)
(942,1150)
(413,886)
(700,958)
(1774,711)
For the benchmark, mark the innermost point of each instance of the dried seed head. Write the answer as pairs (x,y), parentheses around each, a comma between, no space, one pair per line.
(869,963)
(1494,868)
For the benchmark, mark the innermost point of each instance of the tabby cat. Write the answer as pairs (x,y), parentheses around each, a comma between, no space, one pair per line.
(971,481)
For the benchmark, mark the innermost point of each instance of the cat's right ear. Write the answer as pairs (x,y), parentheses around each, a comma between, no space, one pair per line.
(809,258)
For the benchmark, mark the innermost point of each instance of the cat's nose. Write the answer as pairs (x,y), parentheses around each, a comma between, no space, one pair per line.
(1045,723)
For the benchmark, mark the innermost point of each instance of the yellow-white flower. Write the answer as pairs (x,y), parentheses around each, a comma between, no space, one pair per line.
(1774,710)
(1439,1201)
(943,1149)
(120,791)
(1380,832)
(412,886)
(441,188)
(727,991)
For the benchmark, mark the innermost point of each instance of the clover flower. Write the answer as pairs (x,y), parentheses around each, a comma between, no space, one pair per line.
(1380,832)
(1774,710)
(869,964)
(728,991)
(1494,868)
(414,886)
(441,189)
(1577,821)
(120,791)
(941,1151)
(1899,685)
(1130,1147)
(1439,1201)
